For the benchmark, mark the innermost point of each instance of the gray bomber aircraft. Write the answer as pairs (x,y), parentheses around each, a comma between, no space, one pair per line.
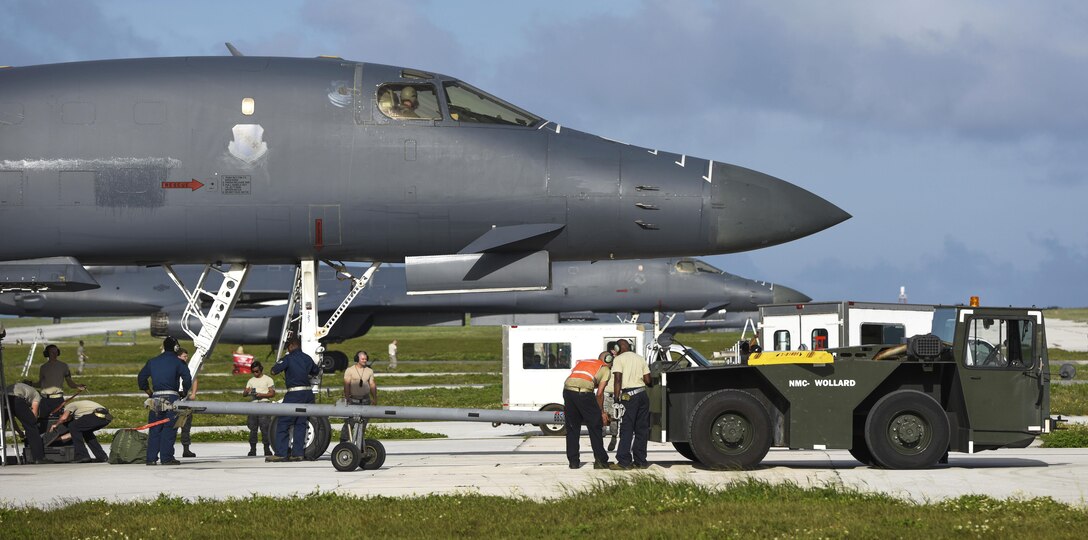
(580,291)
(242,160)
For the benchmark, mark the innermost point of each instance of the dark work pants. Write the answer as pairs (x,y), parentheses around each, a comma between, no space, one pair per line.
(636,425)
(262,422)
(298,423)
(46,406)
(82,430)
(160,441)
(21,410)
(349,422)
(186,432)
(581,408)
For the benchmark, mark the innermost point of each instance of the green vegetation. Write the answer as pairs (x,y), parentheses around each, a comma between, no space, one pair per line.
(1057,356)
(646,508)
(1075,314)
(1075,436)
(1069,399)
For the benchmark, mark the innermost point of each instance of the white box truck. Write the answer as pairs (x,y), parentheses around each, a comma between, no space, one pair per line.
(827,325)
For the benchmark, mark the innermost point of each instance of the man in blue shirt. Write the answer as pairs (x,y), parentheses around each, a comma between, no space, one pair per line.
(297,368)
(166,371)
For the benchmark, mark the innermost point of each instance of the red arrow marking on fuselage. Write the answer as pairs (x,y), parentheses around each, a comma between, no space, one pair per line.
(193,185)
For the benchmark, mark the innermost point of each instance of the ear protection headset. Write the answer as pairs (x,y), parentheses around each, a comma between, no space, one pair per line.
(171,345)
(357,353)
(45,351)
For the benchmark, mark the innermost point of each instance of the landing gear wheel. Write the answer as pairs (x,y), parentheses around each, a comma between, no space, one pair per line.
(730,429)
(557,430)
(373,456)
(346,457)
(685,450)
(328,363)
(339,360)
(907,429)
(317,436)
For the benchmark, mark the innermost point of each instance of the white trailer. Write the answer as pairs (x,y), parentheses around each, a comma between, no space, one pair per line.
(537,359)
(827,325)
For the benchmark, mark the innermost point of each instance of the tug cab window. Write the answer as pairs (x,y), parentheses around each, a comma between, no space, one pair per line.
(880,334)
(819,339)
(545,355)
(409,102)
(1000,344)
(468,104)
(782,340)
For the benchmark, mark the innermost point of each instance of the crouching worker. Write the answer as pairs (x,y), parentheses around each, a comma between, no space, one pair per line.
(83,418)
(580,405)
(260,388)
(24,401)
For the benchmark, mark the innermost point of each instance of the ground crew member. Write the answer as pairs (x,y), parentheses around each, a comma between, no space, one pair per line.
(187,428)
(260,388)
(632,376)
(393,355)
(581,406)
(24,400)
(166,371)
(84,417)
(51,378)
(359,389)
(82,355)
(297,368)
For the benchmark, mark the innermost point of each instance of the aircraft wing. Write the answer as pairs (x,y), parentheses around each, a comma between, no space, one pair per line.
(47,274)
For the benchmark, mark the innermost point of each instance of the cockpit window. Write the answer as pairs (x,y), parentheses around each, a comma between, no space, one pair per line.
(688,266)
(467,104)
(409,102)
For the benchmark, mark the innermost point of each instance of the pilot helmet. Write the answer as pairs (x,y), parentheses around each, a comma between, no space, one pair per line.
(409,93)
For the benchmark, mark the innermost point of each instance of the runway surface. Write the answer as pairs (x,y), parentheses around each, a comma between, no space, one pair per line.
(508,461)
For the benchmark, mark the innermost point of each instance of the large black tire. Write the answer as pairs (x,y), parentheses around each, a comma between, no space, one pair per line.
(730,429)
(557,430)
(339,360)
(373,455)
(317,436)
(907,429)
(346,457)
(685,450)
(327,362)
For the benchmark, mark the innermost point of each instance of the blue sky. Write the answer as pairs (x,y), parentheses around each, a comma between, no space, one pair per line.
(952,131)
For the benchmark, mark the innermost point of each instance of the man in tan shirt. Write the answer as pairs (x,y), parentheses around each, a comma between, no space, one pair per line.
(51,378)
(632,376)
(359,389)
(583,396)
(24,401)
(260,388)
(83,418)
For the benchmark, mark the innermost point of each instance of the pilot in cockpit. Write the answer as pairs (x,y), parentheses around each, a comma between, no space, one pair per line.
(408,103)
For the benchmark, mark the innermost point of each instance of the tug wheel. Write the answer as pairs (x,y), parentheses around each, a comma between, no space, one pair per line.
(907,429)
(730,429)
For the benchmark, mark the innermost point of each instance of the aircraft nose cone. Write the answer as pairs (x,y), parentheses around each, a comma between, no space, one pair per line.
(750,210)
(785,295)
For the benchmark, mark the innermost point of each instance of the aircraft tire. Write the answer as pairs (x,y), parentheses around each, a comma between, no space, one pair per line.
(346,457)
(318,432)
(730,429)
(685,450)
(907,429)
(553,430)
(328,362)
(373,455)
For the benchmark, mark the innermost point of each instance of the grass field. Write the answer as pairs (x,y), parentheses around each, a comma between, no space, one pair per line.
(641,508)
(1075,314)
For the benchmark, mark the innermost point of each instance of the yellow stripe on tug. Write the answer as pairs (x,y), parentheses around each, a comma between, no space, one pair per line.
(790,357)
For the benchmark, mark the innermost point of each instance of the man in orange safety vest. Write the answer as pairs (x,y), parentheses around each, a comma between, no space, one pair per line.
(581,406)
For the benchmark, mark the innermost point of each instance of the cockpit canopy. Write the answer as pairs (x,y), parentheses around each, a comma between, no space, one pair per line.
(689,266)
(463,103)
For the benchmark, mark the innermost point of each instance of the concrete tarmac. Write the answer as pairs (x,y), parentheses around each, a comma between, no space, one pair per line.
(513,461)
